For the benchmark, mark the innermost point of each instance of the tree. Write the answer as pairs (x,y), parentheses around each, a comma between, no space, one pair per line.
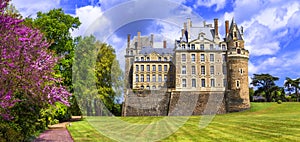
(56,26)
(97,76)
(84,73)
(265,83)
(292,85)
(109,78)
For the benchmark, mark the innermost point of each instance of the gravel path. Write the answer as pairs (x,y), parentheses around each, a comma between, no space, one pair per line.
(57,133)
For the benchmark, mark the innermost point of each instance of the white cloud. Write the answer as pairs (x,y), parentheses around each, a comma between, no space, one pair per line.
(31,7)
(220,4)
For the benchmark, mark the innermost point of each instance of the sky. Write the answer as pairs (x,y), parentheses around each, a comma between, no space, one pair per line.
(271,27)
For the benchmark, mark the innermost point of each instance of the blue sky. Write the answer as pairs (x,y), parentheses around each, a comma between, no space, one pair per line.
(271,26)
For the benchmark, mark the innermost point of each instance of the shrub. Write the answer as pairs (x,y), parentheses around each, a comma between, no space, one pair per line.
(279,101)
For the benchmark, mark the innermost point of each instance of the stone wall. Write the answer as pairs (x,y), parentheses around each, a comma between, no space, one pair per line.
(197,103)
(152,104)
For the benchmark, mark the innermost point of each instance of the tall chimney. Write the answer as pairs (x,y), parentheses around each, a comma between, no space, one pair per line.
(128,40)
(165,44)
(226,27)
(151,40)
(182,32)
(139,40)
(184,26)
(216,27)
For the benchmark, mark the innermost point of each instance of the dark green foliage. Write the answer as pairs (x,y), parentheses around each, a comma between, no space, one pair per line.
(265,83)
(293,85)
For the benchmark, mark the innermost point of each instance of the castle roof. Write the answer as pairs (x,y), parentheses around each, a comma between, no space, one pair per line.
(145,41)
(195,31)
(161,51)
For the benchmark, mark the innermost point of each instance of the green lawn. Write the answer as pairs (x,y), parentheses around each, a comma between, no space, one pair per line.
(263,122)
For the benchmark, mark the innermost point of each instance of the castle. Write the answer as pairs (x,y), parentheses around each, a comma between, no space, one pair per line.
(202,74)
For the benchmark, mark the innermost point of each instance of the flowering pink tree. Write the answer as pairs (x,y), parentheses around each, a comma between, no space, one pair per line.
(26,66)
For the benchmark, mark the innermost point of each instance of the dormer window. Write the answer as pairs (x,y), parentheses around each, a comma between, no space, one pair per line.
(193,46)
(235,35)
(236,44)
(142,58)
(183,46)
(201,46)
(223,47)
(148,58)
(159,58)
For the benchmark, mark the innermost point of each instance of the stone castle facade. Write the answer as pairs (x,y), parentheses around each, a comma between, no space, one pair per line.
(202,74)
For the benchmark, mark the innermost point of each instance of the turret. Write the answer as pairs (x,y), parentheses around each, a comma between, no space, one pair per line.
(237,96)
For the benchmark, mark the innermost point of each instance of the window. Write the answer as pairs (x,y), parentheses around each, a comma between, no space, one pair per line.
(184,83)
(183,70)
(142,78)
(136,67)
(137,78)
(153,68)
(142,86)
(224,57)
(202,82)
(203,70)
(183,46)
(159,68)
(239,51)
(183,57)
(224,69)
(165,78)
(159,58)
(148,67)
(148,87)
(153,78)
(136,58)
(193,57)
(212,82)
(212,57)
(211,47)
(193,46)
(142,67)
(212,70)
(235,35)
(193,70)
(194,83)
(223,47)
(201,46)
(241,71)
(165,67)
(148,58)
(153,87)
(148,78)
(159,78)
(142,58)
(165,59)
(237,84)
(202,58)
(224,82)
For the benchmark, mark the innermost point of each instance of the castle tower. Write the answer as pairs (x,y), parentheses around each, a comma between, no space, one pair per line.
(237,96)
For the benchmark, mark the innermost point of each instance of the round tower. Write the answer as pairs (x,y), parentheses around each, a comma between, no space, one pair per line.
(237,96)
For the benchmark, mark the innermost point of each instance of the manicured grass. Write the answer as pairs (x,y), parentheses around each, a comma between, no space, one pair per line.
(263,122)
